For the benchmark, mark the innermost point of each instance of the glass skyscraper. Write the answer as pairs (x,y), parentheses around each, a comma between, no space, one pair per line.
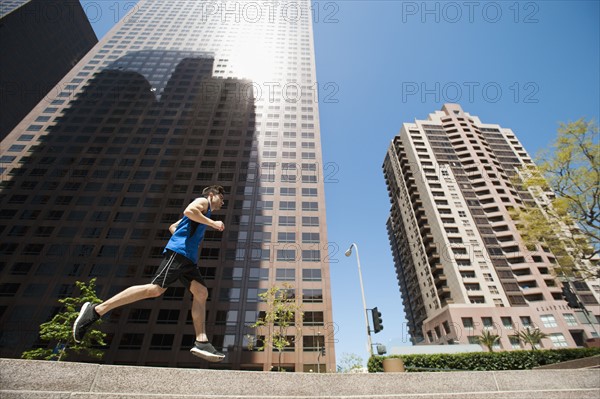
(41,40)
(179,95)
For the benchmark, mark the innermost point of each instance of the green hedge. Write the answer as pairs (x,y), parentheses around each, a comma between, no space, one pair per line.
(485,361)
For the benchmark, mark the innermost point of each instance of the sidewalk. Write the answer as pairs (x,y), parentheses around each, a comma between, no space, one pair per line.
(26,379)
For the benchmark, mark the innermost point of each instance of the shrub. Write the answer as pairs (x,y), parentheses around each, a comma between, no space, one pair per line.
(484,361)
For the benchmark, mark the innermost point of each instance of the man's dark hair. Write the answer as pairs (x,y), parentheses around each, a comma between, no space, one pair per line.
(215,190)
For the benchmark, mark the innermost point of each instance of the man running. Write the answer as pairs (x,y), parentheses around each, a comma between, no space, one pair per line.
(179,263)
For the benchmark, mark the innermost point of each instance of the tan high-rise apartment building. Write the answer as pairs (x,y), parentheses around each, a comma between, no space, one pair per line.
(461,263)
(179,95)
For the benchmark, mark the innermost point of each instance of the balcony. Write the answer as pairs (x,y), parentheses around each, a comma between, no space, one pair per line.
(446,301)
(527,285)
(424,229)
(436,269)
(444,294)
(523,275)
(440,281)
(430,248)
(433,258)
(534,297)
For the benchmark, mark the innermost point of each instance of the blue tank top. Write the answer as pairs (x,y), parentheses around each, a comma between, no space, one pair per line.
(187,237)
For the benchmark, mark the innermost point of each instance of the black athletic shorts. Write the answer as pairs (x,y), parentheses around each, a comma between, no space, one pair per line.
(176,267)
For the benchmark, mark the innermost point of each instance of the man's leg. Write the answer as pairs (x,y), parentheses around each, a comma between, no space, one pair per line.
(89,313)
(202,348)
(200,295)
(130,295)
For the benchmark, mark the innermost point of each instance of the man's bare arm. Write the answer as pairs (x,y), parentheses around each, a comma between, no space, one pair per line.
(173,227)
(195,211)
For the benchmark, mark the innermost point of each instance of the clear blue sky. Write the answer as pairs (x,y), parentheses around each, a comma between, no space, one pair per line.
(525,65)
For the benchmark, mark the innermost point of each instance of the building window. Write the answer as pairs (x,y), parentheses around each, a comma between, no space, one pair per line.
(309,192)
(526,321)
(230,294)
(174,294)
(287,220)
(548,320)
(233,273)
(286,255)
(313,319)
(287,205)
(515,343)
(285,274)
(139,316)
(131,341)
(257,274)
(225,343)
(313,343)
(310,206)
(570,319)
(168,316)
(312,296)
(287,192)
(311,255)
(309,221)
(260,254)
(467,322)
(311,274)
(286,237)
(226,317)
(209,253)
(487,322)
(162,342)
(310,238)
(507,323)
(558,340)
(187,340)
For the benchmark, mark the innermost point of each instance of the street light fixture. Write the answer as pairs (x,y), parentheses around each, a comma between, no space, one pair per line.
(362,290)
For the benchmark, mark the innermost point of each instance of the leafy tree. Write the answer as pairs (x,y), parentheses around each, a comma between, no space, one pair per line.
(59,329)
(488,339)
(567,186)
(349,363)
(531,337)
(279,317)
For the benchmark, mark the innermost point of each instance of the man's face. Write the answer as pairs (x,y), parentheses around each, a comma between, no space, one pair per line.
(217,201)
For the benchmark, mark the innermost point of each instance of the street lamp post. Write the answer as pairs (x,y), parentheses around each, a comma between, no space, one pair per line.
(318,353)
(362,291)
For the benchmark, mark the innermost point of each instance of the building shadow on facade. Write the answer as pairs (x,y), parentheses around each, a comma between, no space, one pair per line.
(96,197)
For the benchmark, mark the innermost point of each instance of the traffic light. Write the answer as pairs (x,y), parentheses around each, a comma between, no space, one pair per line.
(323,351)
(377,326)
(570,296)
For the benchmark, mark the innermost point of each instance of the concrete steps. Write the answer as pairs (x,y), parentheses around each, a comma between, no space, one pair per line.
(26,379)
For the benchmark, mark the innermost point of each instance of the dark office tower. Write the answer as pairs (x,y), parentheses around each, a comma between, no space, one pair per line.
(178,96)
(462,265)
(40,40)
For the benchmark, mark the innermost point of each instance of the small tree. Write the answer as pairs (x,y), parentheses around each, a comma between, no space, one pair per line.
(350,363)
(488,339)
(531,337)
(59,329)
(568,219)
(280,315)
